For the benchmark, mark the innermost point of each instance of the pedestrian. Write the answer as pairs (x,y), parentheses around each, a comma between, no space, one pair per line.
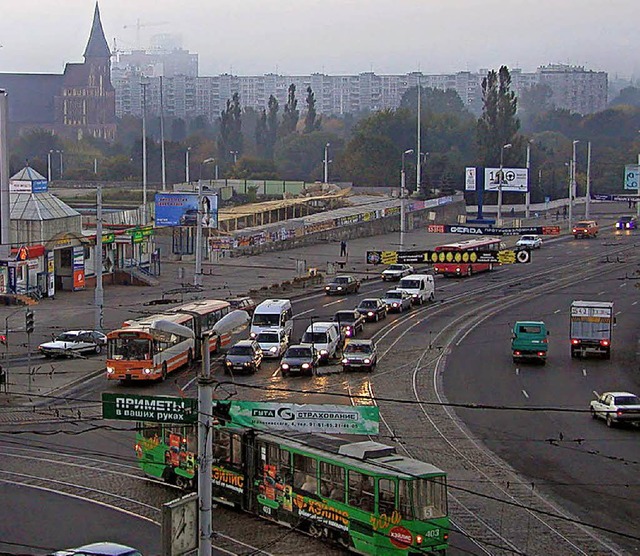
(343,248)
(564,211)
(558,214)
(513,211)
(3,379)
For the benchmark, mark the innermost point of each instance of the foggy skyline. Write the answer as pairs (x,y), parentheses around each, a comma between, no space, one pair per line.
(336,37)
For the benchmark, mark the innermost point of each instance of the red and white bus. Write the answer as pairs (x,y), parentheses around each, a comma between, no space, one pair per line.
(138,351)
(458,256)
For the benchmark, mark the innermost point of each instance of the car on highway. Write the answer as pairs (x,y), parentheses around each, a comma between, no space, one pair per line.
(342,285)
(627,222)
(585,228)
(397,301)
(530,241)
(244,304)
(74,342)
(359,354)
(245,355)
(350,321)
(396,271)
(99,549)
(616,407)
(299,360)
(325,338)
(273,342)
(373,309)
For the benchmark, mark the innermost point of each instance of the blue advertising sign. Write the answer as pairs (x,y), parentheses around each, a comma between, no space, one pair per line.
(631,176)
(181,209)
(39,186)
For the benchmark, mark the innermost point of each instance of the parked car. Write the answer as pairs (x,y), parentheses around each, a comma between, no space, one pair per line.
(273,342)
(628,222)
(299,359)
(342,285)
(351,322)
(397,300)
(360,354)
(616,407)
(74,342)
(396,271)
(244,304)
(530,241)
(372,309)
(245,355)
(99,549)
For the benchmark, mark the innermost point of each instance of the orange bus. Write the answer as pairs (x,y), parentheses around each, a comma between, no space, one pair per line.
(459,265)
(138,351)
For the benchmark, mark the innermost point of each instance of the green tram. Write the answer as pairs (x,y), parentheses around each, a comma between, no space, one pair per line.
(361,495)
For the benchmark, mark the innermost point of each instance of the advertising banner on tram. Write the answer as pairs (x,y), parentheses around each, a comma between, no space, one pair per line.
(489,231)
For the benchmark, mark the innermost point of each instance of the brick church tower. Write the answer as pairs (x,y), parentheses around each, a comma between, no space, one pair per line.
(86,103)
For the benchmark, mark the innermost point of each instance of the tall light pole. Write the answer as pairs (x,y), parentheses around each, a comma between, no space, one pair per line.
(326,162)
(186,165)
(573,180)
(418,148)
(638,199)
(49,165)
(61,167)
(197,275)
(402,195)
(500,179)
(235,156)
(570,165)
(587,201)
(527,195)
(99,291)
(163,161)
(144,153)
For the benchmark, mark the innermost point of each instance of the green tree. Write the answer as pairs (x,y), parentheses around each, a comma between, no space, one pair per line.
(178,130)
(230,135)
(291,113)
(433,101)
(628,95)
(249,168)
(262,137)
(533,101)
(311,120)
(370,160)
(300,156)
(272,125)
(498,124)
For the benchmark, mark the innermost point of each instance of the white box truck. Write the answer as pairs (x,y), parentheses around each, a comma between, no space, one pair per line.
(591,328)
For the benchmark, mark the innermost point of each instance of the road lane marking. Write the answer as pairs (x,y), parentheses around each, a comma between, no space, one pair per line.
(618,313)
(525,394)
(275,373)
(584,372)
(634,303)
(333,303)
(622,285)
(601,293)
(303,313)
(517,371)
(557,311)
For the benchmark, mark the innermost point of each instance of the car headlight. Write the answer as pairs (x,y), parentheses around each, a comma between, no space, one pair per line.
(324,352)
(147,371)
(370,313)
(339,288)
(253,335)
(110,370)
(367,361)
(274,349)
(285,366)
(416,295)
(247,363)
(327,287)
(394,304)
(345,361)
(229,363)
(305,365)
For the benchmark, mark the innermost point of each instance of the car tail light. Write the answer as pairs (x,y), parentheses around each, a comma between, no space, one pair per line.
(575,342)
(541,353)
(418,539)
(619,412)
(545,341)
(516,353)
(604,343)
(445,536)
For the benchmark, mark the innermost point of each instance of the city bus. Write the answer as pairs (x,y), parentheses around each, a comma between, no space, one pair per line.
(137,351)
(363,496)
(457,263)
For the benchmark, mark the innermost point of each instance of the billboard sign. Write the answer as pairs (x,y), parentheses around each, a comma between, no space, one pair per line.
(470,179)
(631,176)
(181,209)
(488,231)
(78,268)
(154,409)
(506,256)
(513,179)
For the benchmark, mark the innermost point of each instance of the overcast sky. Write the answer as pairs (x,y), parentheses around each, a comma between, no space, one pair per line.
(253,37)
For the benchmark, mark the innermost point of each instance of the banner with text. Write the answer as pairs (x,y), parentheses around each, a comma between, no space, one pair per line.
(631,176)
(155,409)
(506,256)
(513,179)
(487,231)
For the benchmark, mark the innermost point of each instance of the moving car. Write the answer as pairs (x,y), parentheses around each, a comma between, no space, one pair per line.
(351,322)
(299,359)
(421,287)
(531,241)
(616,407)
(245,355)
(324,337)
(244,304)
(99,549)
(273,342)
(585,228)
(397,300)
(627,222)
(74,342)
(359,354)
(372,309)
(396,271)
(342,285)
(529,341)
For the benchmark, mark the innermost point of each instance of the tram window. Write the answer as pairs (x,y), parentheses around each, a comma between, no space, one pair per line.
(386,496)
(236,450)
(431,495)
(221,447)
(361,491)
(405,499)
(304,477)
(332,481)
(284,464)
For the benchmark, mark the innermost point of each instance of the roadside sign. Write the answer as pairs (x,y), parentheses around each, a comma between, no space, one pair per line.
(470,179)
(506,256)
(631,176)
(154,409)
(511,179)
(488,231)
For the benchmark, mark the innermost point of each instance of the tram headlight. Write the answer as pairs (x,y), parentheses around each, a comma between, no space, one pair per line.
(111,370)
(147,371)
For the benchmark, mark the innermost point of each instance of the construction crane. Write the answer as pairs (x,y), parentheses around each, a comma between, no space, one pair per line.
(139,26)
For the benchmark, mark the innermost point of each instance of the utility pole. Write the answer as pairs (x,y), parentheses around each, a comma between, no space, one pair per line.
(527,195)
(186,165)
(326,162)
(500,180)
(197,275)
(587,201)
(402,195)
(164,164)
(5,238)
(144,152)
(570,194)
(29,326)
(419,133)
(99,291)
(49,166)
(205,448)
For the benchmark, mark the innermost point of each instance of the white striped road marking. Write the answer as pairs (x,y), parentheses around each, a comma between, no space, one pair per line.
(517,371)
(275,373)
(557,311)
(549,258)
(622,285)
(634,303)
(303,313)
(584,372)
(333,303)
(601,293)
(618,313)
(525,394)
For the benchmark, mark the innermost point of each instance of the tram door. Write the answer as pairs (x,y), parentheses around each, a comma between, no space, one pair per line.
(274,497)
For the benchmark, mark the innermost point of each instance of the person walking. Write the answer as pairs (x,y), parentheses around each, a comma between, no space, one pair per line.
(343,248)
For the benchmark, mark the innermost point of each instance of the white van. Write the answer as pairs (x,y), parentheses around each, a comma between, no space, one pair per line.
(272,315)
(324,337)
(421,287)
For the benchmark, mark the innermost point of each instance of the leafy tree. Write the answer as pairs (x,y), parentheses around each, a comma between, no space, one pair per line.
(300,156)
(262,138)
(311,120)
(230,137)
(533,101)
(291,113)
(249,168)
(498,124)
(628,95)
(433,101)
(272,125)
(371,160)
(178,130)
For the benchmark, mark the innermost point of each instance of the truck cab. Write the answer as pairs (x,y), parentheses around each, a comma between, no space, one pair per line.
(529,341)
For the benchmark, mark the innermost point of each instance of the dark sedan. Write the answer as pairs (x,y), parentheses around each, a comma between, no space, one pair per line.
(372,309)
(342,285)
(628,222)
(299,359)
(246,355)
(351,323)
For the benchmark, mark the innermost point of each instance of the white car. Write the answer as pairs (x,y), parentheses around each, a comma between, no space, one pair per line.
(396,271)
(530,242)
(273,342)
(616,407)
(74,342)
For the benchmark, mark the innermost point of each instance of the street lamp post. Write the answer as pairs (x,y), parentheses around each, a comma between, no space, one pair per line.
(144,153)
(197,275)
(186,165)
(235,156)
(527,195)
(638,199)
(49,165)
(326,162)
(587,200)
(572,191)
(402,195)
(500,179)
(61,167)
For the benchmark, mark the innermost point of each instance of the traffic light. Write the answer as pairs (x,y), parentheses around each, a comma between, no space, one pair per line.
(29,321)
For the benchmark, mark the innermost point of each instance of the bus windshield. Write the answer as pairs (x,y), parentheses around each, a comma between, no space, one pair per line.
(424,499)
(129,348)
(266,319)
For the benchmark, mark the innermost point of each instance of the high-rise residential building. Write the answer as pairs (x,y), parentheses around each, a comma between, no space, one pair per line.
(574,88)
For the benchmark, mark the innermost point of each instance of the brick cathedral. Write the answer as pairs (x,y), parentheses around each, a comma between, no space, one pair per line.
(81,102)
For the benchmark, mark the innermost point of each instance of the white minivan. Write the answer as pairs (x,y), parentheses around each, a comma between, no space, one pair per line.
(421,287)
(324,337)
(272,315)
